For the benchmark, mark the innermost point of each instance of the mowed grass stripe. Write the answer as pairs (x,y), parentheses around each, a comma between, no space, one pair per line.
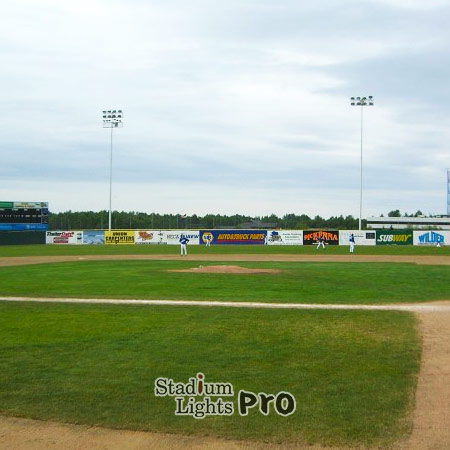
(353,374)
(329,283)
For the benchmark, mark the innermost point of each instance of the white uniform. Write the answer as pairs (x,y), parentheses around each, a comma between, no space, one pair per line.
(352,243)
(183,243)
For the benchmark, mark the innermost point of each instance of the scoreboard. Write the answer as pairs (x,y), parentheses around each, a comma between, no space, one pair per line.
(20,216)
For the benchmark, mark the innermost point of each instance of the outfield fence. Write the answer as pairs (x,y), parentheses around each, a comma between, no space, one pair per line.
(248,237)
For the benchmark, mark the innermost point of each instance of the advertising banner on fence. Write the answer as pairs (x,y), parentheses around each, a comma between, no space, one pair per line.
(361,237)
(171,237)
(119,237)
(431,237)
(233,237)
(285,237)
(311,237)
(154,237)
(394,237)
(64,237)
(93,237)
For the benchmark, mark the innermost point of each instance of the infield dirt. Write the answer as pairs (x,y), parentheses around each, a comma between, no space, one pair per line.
(415,259)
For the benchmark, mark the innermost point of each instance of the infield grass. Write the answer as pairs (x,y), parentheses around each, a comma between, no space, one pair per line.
(345,283)
(353,373)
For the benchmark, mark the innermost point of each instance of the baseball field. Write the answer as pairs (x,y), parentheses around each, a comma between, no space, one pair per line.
(361,378)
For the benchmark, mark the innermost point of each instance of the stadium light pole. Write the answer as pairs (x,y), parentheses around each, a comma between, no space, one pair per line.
(111,119)
(448,192)
(361,101)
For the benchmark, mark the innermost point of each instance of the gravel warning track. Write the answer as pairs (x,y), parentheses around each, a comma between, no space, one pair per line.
(322,257)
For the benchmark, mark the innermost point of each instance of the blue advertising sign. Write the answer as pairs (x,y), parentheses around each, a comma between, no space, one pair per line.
(233,237)
(441,237)
(23,226)
(94,237)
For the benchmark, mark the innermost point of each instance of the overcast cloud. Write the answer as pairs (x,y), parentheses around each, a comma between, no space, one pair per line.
(237,106)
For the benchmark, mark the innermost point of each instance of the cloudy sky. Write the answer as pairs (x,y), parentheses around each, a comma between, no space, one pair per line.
(230,106)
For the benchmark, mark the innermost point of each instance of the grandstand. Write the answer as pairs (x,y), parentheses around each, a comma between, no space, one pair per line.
(437,223)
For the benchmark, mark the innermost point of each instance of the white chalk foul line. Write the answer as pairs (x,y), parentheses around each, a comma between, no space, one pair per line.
(405,307)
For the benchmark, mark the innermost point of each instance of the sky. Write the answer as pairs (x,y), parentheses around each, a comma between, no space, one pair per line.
(230,107)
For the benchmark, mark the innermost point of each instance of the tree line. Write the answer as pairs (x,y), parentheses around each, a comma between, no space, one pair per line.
(73,220)
(397,213)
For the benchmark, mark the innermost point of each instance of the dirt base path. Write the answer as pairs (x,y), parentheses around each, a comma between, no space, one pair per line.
(441,305)
(322,257)
(431,423)
(25,434)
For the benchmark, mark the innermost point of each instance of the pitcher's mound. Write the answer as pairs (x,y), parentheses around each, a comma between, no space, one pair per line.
(226,269)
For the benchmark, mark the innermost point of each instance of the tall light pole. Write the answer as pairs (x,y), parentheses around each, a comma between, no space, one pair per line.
(111,119)
(361,101)
(448,192)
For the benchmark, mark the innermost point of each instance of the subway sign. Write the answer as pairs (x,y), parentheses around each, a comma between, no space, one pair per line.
(394,237)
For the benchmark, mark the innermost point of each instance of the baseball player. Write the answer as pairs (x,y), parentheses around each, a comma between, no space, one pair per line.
(320,242)
(352,243)
(183,242)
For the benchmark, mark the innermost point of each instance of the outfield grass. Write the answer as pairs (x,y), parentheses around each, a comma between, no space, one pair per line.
(53,250)
(353,374)
(347,283)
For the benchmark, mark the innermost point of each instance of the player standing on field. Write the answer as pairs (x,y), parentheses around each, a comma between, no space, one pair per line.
(183,242)
(320,242)
(352,243)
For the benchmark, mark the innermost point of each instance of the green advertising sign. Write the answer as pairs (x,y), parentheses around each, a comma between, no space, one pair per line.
(394,237)
(7,205)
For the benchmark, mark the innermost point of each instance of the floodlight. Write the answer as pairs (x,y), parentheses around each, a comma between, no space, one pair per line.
(111,119)
(361,101)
